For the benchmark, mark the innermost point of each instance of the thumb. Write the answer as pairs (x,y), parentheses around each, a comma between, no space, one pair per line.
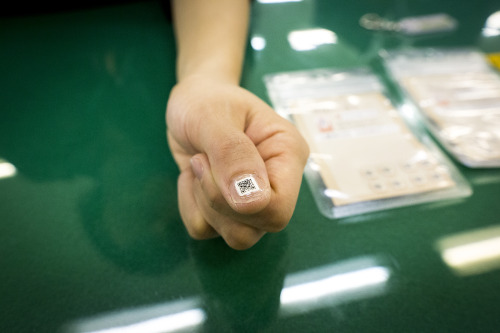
(238,169)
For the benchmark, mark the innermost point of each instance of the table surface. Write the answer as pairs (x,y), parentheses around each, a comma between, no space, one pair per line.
(90,233)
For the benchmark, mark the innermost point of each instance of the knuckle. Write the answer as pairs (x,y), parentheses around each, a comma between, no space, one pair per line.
(278,215)
(233,148)
(277,223)
(199,230)
(242,239)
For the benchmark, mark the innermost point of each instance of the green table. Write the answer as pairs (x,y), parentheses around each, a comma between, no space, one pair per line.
(90,234)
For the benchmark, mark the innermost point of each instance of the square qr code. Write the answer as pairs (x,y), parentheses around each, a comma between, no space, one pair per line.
(246,186)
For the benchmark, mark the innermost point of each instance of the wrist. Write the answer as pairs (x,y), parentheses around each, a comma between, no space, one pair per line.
(204,75)
(215,68)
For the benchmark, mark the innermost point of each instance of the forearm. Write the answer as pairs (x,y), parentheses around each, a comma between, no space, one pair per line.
(211,38)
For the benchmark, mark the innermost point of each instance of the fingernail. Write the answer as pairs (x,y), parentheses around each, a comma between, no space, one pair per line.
(247,188)
(197,167)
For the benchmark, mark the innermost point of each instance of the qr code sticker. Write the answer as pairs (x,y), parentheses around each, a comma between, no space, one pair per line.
(246,186)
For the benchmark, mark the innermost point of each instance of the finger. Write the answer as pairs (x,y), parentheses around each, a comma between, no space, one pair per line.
(191,215)
(238,236)
(285,175)
(285,168)
(237,168)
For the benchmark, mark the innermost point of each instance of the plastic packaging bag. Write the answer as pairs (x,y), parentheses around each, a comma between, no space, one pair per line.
(458,94)
(364,156)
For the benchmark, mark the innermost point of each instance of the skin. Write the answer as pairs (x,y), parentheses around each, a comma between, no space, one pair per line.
(219,132)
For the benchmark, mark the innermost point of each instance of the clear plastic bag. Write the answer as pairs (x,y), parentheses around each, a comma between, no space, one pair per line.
(364,155)
(458,94)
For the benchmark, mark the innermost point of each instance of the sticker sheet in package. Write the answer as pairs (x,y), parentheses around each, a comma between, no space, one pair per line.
(458,94)
(364,155)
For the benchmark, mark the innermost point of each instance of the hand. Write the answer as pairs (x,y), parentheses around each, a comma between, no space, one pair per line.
(218,134)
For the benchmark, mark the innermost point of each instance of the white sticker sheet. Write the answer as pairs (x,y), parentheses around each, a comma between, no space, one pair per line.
(465,109)
(458,94)
(364,151)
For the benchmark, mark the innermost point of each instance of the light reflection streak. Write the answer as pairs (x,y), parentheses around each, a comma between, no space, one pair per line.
(470,253)
(178,316)
(473,252)
(7,169)
(358,278)
(334,284)
(169,323)
(310,39)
